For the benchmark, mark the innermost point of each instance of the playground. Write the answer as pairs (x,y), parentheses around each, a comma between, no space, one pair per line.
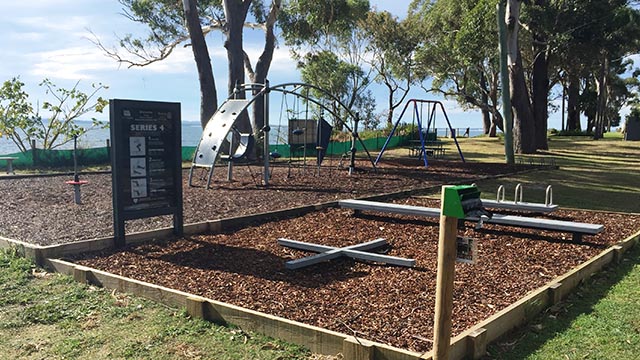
(233,254)
(386,304)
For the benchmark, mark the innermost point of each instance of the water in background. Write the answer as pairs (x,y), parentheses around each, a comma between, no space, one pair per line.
(191,133)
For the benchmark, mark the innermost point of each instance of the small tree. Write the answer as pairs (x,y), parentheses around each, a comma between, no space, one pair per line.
(21,122)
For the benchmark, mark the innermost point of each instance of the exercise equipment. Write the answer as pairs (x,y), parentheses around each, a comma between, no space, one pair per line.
(576,228)
(327,253)
(76,182)
(518,204)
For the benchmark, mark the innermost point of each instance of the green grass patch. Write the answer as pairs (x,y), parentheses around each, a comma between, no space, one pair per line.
(601,320)
(45,315)
(592,174)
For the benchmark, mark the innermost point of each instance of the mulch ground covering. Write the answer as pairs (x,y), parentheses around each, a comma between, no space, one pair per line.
(245,266)
(41,210)
(391,305)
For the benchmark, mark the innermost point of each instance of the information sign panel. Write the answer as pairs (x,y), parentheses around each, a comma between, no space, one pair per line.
(466,250)
(146,162)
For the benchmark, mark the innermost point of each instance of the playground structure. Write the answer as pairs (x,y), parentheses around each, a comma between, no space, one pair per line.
(76,182)
(576,228)
(518,204)
(216,134)
(426,145)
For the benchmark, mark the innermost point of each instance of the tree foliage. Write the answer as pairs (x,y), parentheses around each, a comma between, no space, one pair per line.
(458,53)
(21,121)
(168,27)
(330,47)
(391,43)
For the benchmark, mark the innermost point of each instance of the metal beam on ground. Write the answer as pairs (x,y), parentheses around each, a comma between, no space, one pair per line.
(508,220)
(330,252)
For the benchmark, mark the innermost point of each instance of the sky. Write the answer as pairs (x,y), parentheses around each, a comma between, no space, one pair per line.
(51,39)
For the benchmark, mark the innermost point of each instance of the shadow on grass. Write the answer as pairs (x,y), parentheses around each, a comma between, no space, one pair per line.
(523,343)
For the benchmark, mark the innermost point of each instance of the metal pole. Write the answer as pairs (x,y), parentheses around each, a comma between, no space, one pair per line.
(76,177)
(504,77)
(354,137)
(266,129)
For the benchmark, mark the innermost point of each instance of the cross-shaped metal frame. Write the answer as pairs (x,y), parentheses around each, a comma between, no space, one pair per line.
(327,253)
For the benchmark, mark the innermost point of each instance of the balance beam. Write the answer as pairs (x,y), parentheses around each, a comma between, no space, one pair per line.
(576,228)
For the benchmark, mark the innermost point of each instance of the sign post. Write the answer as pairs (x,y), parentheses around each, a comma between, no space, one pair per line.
(457,202)
(146,162)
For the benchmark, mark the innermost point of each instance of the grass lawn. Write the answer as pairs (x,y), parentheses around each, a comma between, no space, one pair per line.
(599,321)
(49,316)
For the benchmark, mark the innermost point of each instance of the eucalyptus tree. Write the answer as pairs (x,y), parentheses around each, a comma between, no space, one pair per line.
(187,23)
(391,43)
(326,32)
(589,40)
(458,53)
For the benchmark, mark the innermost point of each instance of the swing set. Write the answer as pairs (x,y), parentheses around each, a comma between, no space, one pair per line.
(220,131)
(425,142)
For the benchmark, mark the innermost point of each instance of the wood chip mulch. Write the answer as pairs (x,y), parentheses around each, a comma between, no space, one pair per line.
(391,305)
(245,266)
(40,210)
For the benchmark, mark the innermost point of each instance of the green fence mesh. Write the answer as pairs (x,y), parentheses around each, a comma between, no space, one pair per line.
(101,156)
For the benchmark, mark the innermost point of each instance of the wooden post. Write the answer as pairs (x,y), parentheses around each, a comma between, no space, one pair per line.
(444,285)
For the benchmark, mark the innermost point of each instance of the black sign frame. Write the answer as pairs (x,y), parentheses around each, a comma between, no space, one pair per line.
(146,163)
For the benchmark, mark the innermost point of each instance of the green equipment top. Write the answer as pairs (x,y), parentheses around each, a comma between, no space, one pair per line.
(461,201)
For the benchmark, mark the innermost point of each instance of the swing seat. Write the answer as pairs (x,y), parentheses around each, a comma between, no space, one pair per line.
(298,132)
(275,155)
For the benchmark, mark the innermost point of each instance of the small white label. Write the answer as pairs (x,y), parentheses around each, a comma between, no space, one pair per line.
(466,250)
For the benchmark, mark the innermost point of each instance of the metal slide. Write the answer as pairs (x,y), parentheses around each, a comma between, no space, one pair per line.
(214,135)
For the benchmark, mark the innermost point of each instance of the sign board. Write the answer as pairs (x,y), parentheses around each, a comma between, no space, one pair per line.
(466,250)
(146,162)
(302,132)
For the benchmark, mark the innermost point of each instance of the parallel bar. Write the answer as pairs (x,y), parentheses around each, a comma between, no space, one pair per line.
(545,224)
(524,206)
(313,259)
(386,207)
(534,223)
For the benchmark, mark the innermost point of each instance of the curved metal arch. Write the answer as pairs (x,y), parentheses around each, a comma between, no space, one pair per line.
(263,89)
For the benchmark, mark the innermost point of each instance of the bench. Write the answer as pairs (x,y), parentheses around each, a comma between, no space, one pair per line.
(433,148)
(9,160)
(575,228)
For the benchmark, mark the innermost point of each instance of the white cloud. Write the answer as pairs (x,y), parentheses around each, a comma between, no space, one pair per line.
(74,63)
(44,24)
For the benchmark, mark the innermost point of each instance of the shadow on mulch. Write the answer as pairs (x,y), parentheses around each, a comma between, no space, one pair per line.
(205,255)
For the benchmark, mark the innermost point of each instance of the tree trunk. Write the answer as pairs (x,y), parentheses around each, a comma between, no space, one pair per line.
(573,110)
(540,91)
(208,94)
(601,109)
(259,76)
(236,13)
(523,122)
(486,116)
(496,117)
